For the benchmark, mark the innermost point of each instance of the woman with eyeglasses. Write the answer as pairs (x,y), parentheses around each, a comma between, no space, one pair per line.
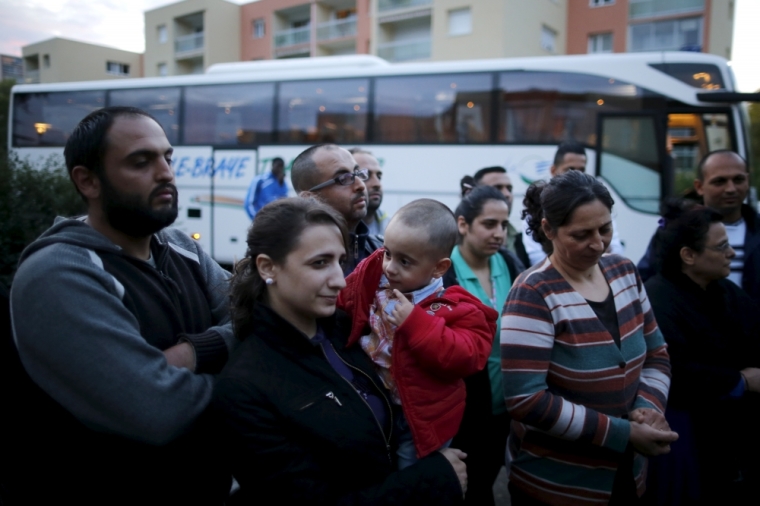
(303,419)
(712,328)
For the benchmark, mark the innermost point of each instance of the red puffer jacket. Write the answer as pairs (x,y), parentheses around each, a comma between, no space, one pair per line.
(443,340)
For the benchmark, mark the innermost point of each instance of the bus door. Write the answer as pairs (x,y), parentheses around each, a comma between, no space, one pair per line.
(631,160)
(234,170)
(692,133)
(193,167)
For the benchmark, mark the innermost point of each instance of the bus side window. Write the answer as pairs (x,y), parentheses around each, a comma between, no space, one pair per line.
(630,161)
(161,103)
(47,119)
(230,114)
(448,109)
(323,111)
(551,107)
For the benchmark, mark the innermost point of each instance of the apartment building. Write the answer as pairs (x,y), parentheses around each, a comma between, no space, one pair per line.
(60,60)
(402,30)
(299,28)
(607,26)
(188,36)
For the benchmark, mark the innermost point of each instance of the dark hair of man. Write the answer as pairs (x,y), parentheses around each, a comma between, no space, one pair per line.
(685,223)
(482,172)
(466,184)
(278,161)
(556,200)
(268,236)
(358,150)
(472,205)
(87,144)
(304,170)
(568,147)
(436,220)
(703,161)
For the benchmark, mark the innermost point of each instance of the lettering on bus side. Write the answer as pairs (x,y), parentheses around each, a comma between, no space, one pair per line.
(203,167)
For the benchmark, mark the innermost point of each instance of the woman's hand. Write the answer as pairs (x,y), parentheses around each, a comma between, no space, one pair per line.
(402,309)
(649,416)
(649,441)
(455,458)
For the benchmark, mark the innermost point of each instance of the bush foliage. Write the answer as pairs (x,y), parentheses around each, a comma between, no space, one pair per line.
(30,199)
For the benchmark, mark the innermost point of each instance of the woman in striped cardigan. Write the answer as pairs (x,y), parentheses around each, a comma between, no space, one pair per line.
(586,371)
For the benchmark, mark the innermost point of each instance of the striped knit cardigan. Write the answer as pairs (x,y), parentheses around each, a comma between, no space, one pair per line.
(568,386)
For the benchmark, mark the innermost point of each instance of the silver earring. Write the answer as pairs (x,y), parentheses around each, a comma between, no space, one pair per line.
(269,281)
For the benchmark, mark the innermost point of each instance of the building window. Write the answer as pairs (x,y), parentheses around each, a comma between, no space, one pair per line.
(460,21)
(651,8)
(600,3)
(117,69)
(258,28)
(669,35)
(548,39)
(163,35)
(46,61)
(600,43)
(163,70)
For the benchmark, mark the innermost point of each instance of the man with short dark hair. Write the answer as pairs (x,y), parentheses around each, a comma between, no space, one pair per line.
(498,178)
(569,156)
(376,220)
(331,174)
(266,188)
(722,181)
(120,323)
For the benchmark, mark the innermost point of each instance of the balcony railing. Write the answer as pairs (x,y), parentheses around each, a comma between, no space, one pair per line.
(31,76)
(292,37)
(404,50)
(188,43)
(336,29)
(387,5)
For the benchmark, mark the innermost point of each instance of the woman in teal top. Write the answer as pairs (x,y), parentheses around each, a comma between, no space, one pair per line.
(482,266)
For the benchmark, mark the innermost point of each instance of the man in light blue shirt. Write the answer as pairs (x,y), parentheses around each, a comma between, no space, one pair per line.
(266,188)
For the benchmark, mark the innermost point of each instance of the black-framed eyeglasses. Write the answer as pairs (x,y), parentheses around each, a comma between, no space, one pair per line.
(345,179)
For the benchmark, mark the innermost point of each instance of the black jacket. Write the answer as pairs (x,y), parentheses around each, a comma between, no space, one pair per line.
(711,335)
(362,244)
(297,432)
(647,266)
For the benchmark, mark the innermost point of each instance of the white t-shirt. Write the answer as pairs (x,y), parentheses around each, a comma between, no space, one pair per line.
(736,233)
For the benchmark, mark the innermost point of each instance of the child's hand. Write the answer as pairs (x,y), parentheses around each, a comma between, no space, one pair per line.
(402,310)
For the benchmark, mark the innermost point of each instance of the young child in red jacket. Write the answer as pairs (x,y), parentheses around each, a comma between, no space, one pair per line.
(423,338)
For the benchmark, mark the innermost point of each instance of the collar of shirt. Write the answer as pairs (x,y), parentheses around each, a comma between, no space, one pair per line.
(414,297)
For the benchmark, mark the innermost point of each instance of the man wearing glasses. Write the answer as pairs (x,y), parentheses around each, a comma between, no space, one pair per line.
(330,173)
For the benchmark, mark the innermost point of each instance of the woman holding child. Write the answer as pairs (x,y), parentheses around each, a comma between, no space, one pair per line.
(586,372)
(482,266)
(305,418)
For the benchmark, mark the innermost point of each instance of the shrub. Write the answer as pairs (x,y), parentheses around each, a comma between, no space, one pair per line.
(30,199)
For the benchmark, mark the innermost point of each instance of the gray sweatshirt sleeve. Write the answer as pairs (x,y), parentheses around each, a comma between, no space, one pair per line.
(81,345)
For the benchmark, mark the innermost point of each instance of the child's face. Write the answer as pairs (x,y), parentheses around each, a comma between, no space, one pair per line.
(408,263)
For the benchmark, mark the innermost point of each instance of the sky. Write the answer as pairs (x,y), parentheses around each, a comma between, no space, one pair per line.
(120,24)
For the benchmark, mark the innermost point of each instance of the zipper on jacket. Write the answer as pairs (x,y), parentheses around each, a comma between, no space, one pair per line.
(356,249)
(387,439)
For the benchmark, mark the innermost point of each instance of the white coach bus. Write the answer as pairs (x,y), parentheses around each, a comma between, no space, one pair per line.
(646,119)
